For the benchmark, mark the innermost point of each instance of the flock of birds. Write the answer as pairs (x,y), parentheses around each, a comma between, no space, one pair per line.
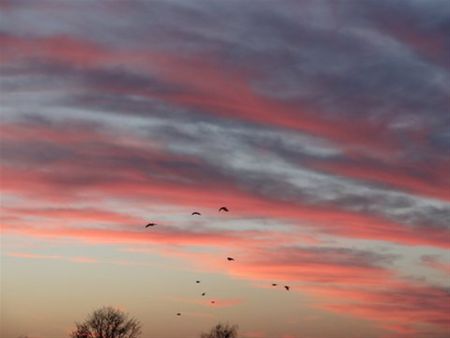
(196,213)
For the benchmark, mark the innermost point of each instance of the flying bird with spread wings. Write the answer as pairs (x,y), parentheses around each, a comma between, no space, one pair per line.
(274,284)
(150,225)
(224,209)
(230,258)
(196,213)
(287,287)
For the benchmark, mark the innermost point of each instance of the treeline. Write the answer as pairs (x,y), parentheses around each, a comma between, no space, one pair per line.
(109,322)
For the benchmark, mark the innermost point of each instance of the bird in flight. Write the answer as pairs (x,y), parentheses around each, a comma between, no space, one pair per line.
(150,225)
(224,209)
(204,293)
(197,281)
(286,287)
(178,314)
(213,302)
(230,258)
(196,213)
(274,284)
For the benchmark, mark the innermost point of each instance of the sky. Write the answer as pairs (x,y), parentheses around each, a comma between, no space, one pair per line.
(323,126)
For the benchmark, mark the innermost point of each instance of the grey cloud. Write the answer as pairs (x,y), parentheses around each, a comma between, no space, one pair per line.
(333,256)
(337,61)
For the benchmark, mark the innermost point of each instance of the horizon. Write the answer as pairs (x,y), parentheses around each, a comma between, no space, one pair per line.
(323,128)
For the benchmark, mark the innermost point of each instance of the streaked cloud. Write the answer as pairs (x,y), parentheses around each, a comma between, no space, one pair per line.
(322,126)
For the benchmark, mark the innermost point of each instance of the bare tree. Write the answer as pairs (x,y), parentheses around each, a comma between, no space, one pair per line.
(222,331)
(107,322)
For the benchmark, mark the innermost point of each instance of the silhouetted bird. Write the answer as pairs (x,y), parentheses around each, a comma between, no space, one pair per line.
(213,302)
(178,314)
(274,284)
(204,293)
(224,209)
(197,281)
(150,225)
(196,213)
(286,287)
(230,258)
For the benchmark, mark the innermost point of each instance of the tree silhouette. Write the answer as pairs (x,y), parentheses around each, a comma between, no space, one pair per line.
(107,322)
(222,331)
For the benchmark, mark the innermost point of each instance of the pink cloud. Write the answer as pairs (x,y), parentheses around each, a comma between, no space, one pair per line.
(209,87)
(435,263)
(67,180)
(398,176)
(397,305)
(28,255)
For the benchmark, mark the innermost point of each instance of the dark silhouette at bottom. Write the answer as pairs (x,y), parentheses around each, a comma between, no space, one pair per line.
(222,331)
(107,317)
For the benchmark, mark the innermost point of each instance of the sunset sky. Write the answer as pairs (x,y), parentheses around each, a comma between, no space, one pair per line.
(324,127)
